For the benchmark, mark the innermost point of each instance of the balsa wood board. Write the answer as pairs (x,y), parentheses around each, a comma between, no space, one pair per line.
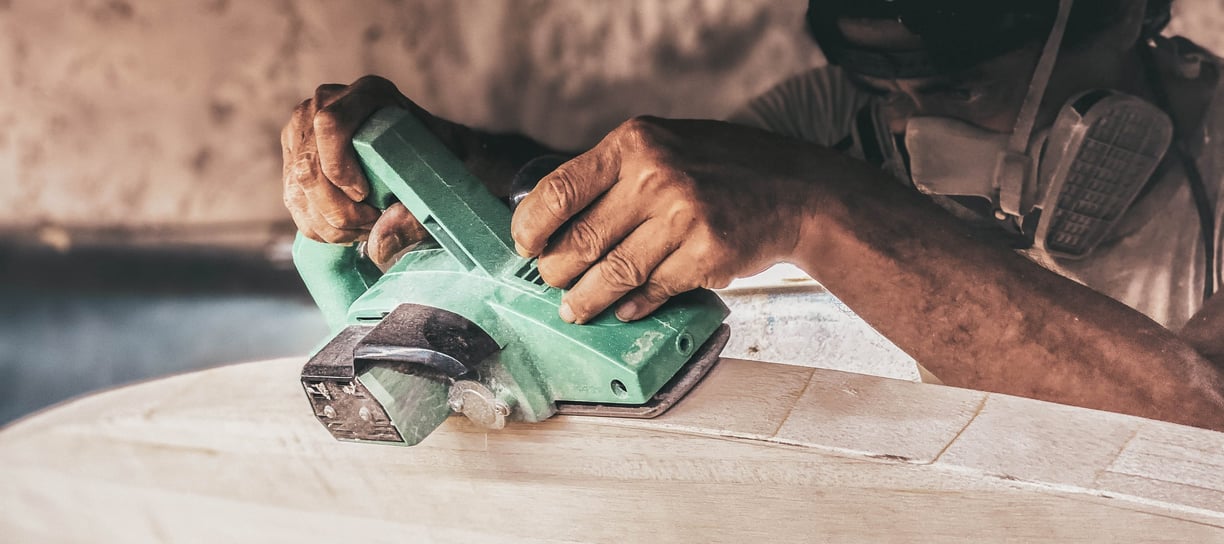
(758,452)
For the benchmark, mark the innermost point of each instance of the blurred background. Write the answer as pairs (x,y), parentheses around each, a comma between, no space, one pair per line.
(141,225)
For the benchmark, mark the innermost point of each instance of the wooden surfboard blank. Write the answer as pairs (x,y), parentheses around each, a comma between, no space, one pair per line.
(758,452)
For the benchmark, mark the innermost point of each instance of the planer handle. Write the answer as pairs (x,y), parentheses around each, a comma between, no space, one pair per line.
(470,223)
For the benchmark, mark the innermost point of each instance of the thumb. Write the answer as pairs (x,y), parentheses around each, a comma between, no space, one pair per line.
(395,231)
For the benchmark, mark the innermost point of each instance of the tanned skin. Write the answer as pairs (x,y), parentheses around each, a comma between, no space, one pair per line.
(661,206)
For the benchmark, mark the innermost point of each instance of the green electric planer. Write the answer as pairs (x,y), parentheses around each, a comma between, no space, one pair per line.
(464,324)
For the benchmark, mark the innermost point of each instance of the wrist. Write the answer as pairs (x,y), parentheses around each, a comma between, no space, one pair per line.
(825,190)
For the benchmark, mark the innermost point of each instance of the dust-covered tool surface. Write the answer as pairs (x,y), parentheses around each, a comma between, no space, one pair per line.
(463,324)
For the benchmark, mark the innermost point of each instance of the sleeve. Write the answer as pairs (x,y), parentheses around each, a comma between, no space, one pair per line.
(818,106)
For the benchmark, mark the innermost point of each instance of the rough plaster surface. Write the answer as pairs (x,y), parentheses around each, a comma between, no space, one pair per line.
(136,113)
(142,112)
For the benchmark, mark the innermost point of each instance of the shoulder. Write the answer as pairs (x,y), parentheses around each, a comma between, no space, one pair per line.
(817,105)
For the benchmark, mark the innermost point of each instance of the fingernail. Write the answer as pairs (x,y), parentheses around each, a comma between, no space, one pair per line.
(627,311)
(567,314)
(522,251)
(354,193)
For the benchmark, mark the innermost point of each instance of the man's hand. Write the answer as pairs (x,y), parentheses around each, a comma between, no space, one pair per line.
(323,183)
(661,207)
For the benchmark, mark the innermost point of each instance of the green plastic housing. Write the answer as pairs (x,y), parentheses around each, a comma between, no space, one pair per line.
(473,270)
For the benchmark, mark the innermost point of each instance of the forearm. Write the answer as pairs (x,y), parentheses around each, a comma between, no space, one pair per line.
(978,315)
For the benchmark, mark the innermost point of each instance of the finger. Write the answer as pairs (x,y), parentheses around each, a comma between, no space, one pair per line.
(300,127)
(629,265)
(588,237)
(332,205)
(298,134)
(311,223)
(327,93)
(562,194)
(672,277)
(297,137)
(325,232)
(288,141)
(333,235)
(338,118)
(396,230)
(295,202)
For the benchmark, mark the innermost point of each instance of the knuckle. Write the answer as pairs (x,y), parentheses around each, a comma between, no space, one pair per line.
(719,281)
(372,81)
(333,235)
(293,194)
(303,108)
(327,88)
(290,201)
(640,128)
(645,136)
(622,271)
(684,184)
(587,241)
(299,123)
(288,179)
(325,121)
(702,247)
(560,195)
(657,292)
(680,216)
(342,217)
(310,233)
(651,179)
(550,272)
(373,92)
(330,236)
(322,92)
(303,170)
(286,135)
(304,224)
(633,134)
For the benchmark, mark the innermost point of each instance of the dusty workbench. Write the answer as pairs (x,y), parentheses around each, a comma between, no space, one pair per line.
(758,451)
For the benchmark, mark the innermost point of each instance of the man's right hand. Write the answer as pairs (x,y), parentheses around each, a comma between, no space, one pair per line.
(324,185)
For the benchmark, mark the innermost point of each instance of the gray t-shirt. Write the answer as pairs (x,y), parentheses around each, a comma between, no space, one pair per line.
(1153,260)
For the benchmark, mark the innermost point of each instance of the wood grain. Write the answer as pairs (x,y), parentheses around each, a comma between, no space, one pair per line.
(758,451)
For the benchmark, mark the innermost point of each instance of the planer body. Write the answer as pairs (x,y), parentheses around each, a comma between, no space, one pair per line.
(463,324)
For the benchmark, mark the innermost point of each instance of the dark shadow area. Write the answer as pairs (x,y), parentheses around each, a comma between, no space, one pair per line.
(87,319)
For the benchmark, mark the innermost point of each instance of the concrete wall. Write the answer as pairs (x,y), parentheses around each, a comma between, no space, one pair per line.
(146,112)
(140,113)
